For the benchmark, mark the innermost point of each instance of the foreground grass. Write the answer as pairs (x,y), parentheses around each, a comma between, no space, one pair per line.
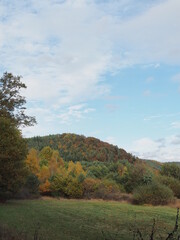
(73,219)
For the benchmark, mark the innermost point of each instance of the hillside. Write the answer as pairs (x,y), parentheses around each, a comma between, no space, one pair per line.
(153,164)
(80,148)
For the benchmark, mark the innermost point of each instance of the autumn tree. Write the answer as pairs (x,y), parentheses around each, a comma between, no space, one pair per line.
(46,153)
(54,163)
(32,161)
(79,169)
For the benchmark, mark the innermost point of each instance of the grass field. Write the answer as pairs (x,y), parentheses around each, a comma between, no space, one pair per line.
(73,219)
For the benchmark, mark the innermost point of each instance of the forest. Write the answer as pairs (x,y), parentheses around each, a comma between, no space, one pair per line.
(70,166)
(74,166)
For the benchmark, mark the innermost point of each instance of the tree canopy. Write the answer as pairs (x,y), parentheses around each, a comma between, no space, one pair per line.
(12,104)
(13,148)
(13,151)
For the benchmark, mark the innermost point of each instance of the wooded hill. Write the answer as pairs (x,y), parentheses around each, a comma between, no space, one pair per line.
(74,148)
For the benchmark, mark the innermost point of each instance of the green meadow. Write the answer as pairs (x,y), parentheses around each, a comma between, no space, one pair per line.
(80,219)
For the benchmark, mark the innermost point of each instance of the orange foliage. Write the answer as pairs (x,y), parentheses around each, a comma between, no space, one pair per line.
(79,169)
(45,187)
(44,174)
(75,168)
(32,161)
(71,167)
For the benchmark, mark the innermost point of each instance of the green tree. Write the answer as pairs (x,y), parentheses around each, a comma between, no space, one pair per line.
(13,148)
(13,152)
(171,170)
(46,153)
(11,101)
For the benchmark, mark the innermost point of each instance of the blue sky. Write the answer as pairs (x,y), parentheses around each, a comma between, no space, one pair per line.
(103,68)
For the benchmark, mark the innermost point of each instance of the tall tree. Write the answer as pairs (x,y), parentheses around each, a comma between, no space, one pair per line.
(32,161)
(12,155)
(12,104)
(13,148)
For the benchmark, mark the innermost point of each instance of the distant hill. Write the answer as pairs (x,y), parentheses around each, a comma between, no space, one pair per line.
(80,148)
(153,164)
(177,163)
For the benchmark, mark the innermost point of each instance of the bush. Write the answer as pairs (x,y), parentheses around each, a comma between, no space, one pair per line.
(103,189)
(31,188)
(73,188)
(66,186)
(171,170)
(111,194)
(32,184)
(154,193)
(58,184)
(107,190)
(135,176)
(172,183)
(89,186)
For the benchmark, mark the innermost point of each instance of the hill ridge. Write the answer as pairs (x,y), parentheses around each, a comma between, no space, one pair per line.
(76,147)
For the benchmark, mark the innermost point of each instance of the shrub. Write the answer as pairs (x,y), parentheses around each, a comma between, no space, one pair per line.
(154,193)
(30,189)
(58,185)
(135,176)
(73,188)
(66,186)
(172,183)
(171,170)
(107,190)
(32,184)
(89,186)
(44,188)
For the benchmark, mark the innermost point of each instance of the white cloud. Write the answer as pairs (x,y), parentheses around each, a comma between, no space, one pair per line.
(175,125)
(74,113)
(58,51)
(165,149)
(154,35)
(63,49)
(111,140)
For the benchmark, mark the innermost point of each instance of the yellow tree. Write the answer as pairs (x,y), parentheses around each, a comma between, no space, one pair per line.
(32,161)
(54,163)
(79,169)
(46,153)
(44,176)
(45,187)
(71,167)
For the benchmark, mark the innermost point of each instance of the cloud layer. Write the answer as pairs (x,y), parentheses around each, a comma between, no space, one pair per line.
(164,149)
(64,48)
(67,51)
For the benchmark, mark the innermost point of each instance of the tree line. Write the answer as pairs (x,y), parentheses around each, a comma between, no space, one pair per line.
(72,166)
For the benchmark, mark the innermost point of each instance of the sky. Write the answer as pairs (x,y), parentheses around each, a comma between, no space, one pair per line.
(103,68)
